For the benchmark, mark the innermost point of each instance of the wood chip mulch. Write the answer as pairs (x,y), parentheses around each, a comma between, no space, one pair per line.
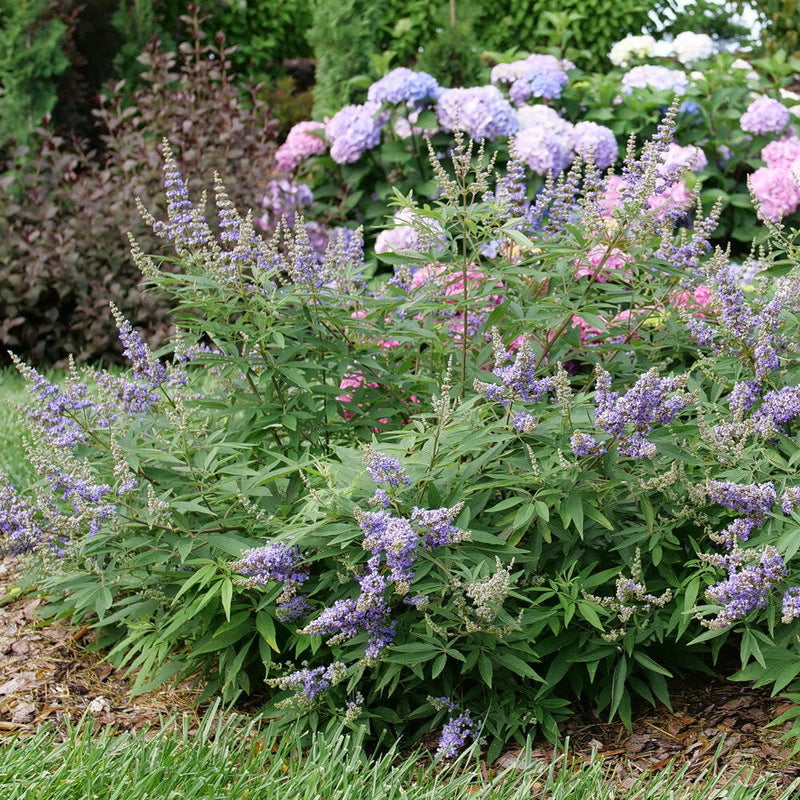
(48,674)
(714,726)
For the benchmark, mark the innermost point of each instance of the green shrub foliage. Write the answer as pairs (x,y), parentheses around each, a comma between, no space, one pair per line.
(343,39)
(31,59)
(553,456)
(266,33)
(780,31)
(63,232)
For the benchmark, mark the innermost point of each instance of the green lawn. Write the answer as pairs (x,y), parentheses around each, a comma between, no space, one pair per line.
(230,758)
(13,461)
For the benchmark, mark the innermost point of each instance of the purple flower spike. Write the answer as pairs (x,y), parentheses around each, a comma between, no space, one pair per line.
(384,469)
(455,735)
(747,587)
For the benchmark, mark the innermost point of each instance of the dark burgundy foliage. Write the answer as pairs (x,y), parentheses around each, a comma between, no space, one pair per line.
(64,218)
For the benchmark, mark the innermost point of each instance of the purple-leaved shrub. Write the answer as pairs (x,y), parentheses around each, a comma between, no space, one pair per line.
(66,210)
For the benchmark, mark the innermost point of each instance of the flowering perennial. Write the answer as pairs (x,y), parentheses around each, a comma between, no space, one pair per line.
(404,85)
(535,76)
(457,731)
(304,139)
(765,115)
(353,130)
(631,47)
(629,418)
(480,111)
(652,76)
(597,141)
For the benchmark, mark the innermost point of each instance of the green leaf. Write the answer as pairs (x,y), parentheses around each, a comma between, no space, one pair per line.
(203,576)
(265,625)
(438,665)
(523,516)
(785,675)
(618,685)
(651,665)
(589,613)
(486,669)
(226,596)
(572,512)
(515,664)
(503,505)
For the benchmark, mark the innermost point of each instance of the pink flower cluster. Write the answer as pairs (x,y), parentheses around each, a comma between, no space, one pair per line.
(775,187)
(625,323)
(604,265)
(305,139)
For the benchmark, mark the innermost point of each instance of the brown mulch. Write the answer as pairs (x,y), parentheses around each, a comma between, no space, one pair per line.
(49,674)
(713,726)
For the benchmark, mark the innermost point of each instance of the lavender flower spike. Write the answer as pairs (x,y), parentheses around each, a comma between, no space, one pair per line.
(53,416)
(455,734)
(747,587)
(650,401)
(309,683)
(384,469)
(19,523)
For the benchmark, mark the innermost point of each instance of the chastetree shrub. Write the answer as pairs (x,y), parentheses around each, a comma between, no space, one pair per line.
(551,457)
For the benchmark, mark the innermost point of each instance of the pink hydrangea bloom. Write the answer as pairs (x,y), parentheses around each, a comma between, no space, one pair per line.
(612,194)
(675,197)
(301,143)
(782,153)
(776,192)
(692,299)
(613,264)
(411,232)
(354,380)
(587,332)
(384,344)
(677,158)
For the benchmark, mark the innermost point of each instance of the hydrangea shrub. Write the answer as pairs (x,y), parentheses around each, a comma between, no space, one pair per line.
(548,111)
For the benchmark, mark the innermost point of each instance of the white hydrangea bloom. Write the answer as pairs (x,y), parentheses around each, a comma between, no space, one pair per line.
(631,47)
(690,47)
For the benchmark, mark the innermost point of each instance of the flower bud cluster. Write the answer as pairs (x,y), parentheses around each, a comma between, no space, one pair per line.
(754,500)
(631,596)
(308,684)
(790,607)
(518,380)
(384,469)
(488,595)
(20,523)
(457,731)
(281,562)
